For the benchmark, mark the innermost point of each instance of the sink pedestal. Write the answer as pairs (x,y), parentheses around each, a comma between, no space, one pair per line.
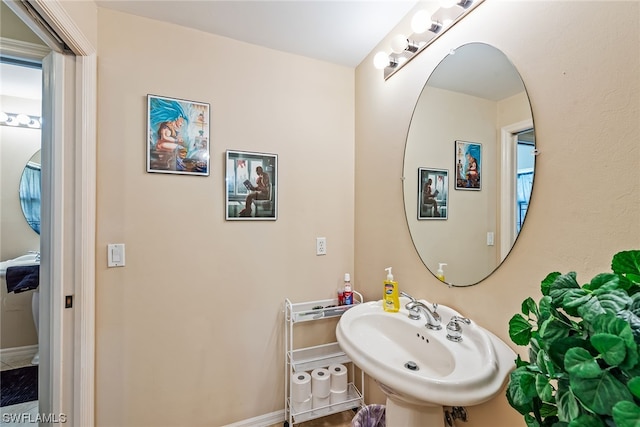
(399,413)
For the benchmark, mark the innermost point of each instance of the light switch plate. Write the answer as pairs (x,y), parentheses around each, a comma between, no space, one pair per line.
(115,255)
(490,239)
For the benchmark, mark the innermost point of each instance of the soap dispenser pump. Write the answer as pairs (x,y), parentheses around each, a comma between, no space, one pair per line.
(390,297)
(440,272)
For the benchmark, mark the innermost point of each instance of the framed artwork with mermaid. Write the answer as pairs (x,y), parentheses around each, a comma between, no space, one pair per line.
(177,136)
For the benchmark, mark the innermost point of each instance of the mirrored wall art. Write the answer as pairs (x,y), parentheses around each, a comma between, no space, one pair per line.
(252,186)
(433,195)
(178,136)
(468,165)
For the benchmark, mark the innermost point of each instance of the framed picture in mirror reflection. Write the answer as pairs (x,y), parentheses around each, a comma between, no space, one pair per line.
(468,165)
(433,193)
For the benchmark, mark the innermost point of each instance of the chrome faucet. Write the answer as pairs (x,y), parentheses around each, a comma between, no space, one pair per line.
(415,307)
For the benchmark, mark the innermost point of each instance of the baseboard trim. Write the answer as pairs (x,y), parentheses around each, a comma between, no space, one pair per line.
(265,420)
(27,351)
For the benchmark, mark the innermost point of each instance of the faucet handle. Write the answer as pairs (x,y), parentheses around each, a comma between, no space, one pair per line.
(404,294)
(454,330)
(460,319)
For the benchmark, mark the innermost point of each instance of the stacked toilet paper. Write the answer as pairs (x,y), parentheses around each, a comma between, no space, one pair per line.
(301,392)
(318,390)
(339,383)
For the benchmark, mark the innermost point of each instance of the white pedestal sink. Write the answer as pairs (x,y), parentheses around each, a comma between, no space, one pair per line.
(419,369)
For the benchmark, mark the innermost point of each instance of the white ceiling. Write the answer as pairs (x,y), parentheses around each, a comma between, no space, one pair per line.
(337,31)
(21,82)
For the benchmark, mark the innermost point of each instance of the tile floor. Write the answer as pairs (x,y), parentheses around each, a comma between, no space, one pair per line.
(10,416)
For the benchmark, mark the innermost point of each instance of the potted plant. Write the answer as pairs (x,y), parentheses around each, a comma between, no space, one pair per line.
(584,356)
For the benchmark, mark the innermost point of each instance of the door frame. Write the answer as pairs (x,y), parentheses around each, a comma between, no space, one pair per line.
(70,228)
(508,168)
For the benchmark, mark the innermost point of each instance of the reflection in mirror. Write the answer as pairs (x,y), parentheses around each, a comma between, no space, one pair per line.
(473,125)
(30,185)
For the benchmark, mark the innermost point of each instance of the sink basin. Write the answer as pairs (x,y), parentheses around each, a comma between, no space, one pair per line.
(27,259)
(416,366)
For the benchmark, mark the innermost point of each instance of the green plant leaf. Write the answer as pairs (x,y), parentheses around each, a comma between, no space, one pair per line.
(632,315)
(590,309)
(634,386)
(545,308)
(626,414)
(519,330)
(559,348)
(545,364)
(614,300)
(627,264)
(545,286)
(516,396)
(530,421)
(573,299)
(553,329)
(530,306)
(543,388)
(560,286)
(611,347)
(585,420)
(610,324)
(568,405)
(603,282)
(601,393)
(581,364)
(528,385)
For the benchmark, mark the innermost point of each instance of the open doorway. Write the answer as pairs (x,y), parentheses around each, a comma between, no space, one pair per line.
(67,241)
(20,215)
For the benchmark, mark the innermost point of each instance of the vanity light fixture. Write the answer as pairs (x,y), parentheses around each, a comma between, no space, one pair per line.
(426,27)
(20,120)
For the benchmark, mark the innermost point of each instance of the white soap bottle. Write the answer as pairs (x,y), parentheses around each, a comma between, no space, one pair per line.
(440,272)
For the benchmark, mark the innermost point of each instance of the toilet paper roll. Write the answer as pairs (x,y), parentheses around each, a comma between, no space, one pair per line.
(320,383)
(303,406)
(339,378)
(321,402)
(301,386)
(338,396)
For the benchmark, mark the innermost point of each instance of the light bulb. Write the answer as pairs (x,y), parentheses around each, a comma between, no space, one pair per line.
(399,43)
(23,119)
(421,22)
(381,60)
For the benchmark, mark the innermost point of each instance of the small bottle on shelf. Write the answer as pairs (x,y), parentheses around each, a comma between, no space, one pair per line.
(348,295)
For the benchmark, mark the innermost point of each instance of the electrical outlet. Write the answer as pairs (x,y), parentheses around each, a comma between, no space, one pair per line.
(321,245)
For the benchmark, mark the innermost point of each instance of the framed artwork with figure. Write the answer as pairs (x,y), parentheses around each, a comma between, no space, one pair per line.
(468,165)
(177,136)
(251,186)
(433,193)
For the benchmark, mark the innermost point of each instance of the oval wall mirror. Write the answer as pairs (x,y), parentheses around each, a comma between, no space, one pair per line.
(29,191)
(469,164)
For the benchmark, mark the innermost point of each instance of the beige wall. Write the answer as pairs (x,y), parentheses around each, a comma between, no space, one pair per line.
(190,331)
(584,90)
